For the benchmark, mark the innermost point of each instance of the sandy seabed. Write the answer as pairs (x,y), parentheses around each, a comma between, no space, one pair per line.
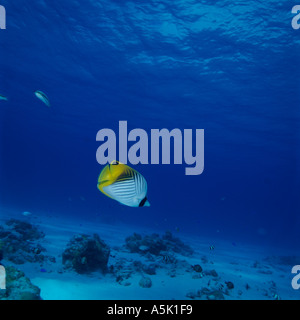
(255,274)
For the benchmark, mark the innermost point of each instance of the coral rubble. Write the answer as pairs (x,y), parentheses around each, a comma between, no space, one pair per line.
(156,245)
(19,242)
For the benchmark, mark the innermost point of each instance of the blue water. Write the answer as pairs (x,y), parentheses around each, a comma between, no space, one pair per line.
(227,67)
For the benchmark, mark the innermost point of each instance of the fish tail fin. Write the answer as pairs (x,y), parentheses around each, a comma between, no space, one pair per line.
(147,204)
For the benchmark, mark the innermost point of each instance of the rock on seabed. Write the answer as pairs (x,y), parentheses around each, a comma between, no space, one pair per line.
(18,286)
(85,253)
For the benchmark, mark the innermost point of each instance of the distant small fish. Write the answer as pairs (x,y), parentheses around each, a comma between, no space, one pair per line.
(42,96)
(144,248)
(26,213)
(212,247)
(43,270)
(36,250)
(276,297)
(3,97)
(168,259)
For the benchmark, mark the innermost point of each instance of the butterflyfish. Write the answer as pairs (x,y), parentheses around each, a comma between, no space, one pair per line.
(123,184)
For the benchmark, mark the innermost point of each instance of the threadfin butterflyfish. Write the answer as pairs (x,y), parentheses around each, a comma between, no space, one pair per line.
(123,184)
(41,95)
